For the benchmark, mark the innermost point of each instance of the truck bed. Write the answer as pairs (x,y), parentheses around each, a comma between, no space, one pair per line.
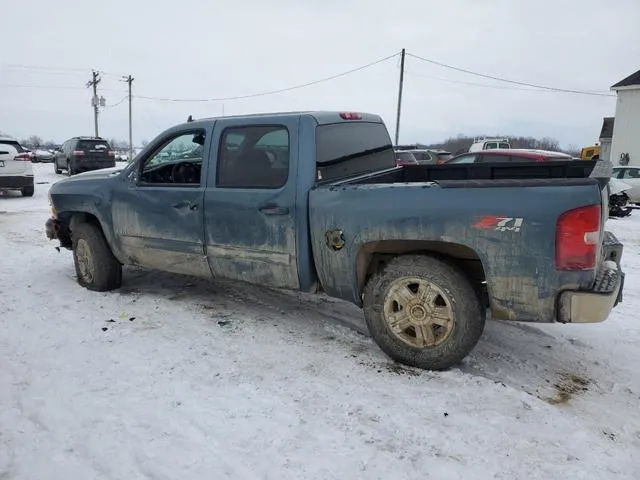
(571,172)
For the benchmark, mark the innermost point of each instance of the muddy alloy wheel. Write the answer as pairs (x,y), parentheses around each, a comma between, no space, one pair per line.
(96,267)
(418,312)
(86,263)
(423,311)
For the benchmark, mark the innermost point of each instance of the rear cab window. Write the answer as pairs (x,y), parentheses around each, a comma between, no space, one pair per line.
(349,149)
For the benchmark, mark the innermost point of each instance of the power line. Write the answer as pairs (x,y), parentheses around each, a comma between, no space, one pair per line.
(47,70)
(117,103)
(53,87)
(506,80)
(41,67)
(472,84)
(270,92)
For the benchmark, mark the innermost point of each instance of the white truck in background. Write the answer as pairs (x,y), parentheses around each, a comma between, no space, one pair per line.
(489,143)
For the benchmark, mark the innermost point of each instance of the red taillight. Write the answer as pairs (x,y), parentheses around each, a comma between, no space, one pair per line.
(23,157)
(111,153)
(78,153)
(350,116)
(577,238)
(440,162)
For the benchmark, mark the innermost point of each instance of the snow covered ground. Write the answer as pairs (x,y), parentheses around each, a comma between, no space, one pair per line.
(175,378)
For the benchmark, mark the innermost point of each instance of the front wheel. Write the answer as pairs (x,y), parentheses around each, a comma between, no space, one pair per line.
(28,191)
(423,312)
(96,267)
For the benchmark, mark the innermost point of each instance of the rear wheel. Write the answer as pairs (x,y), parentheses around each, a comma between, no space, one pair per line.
(55,168)
(96,267)
(27,191)
(70,171)
(423,311)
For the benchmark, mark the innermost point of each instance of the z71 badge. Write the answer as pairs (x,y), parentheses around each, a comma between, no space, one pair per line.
(499,224)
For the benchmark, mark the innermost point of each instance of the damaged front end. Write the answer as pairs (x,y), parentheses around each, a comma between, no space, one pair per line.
(52,228)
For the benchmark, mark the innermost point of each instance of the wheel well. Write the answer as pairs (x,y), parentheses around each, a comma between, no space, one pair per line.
(67,222)
(374,255)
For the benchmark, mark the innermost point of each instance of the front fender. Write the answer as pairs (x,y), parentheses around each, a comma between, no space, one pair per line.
(88,197)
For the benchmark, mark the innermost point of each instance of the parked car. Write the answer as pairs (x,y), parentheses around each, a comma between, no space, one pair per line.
(480,144)
(425,156)
(631,176)
(42,156)
(315,202)
(511,155)
(83,154)
(16,171)
(405,158)
(619,198)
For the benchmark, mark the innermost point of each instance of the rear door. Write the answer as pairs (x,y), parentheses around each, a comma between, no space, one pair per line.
(8,164)
(250,204)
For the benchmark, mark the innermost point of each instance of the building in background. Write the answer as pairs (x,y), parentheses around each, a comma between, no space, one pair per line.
(625,144)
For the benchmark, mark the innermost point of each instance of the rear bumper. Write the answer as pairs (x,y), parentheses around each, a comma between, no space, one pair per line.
(15,181)
(595,305)
(88,165)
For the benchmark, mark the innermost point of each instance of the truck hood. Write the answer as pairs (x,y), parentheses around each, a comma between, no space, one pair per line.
(95,174)
(86,183)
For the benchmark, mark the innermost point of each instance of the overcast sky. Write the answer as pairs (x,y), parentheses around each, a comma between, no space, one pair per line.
(213,49)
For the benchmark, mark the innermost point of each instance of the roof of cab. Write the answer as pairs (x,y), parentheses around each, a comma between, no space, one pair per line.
(321,117)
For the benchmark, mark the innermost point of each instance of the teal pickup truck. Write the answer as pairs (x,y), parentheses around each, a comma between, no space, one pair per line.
(314,201)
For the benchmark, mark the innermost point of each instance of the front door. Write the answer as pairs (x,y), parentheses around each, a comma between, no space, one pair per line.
(250,206)
(158,213)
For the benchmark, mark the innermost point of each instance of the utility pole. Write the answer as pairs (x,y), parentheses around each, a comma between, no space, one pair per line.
(95,102)
(129,80)
(400,96)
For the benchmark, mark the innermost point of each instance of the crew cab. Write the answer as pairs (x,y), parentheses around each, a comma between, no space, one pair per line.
(315,202)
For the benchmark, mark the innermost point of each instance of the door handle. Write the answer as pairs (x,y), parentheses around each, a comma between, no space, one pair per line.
(185,204)
(274,209)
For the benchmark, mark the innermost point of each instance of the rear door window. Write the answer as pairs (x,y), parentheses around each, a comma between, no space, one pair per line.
(254,157)
(471,158)
(352,148)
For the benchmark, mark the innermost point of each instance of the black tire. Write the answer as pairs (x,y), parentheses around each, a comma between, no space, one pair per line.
(106,271)
(55,168)
(27,191)
(468,315)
